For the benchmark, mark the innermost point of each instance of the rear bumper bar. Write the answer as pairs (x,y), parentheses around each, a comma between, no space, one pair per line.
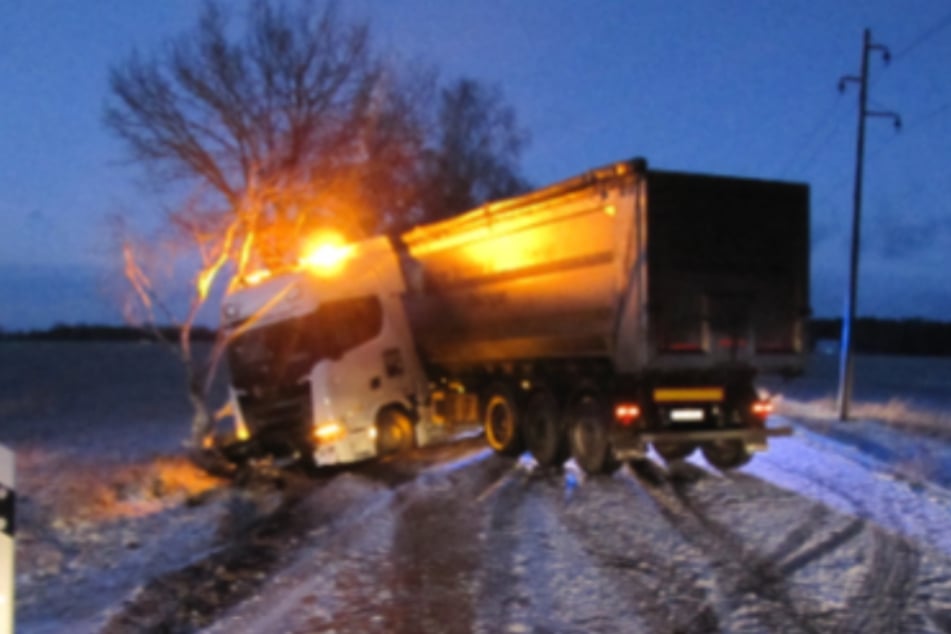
(634,445)
(711,435)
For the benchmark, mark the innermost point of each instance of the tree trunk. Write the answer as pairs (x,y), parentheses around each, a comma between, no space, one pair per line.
(202,449)
(203,424)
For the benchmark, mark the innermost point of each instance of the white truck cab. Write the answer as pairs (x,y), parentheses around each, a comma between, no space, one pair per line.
(323,361)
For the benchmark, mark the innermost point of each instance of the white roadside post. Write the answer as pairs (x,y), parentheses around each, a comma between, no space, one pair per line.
(7,529)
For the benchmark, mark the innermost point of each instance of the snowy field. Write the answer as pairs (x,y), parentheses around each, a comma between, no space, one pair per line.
(106,498)
(891,394)
(839,528)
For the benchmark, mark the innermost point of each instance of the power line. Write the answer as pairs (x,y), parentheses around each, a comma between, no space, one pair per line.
(824,119)
(920,39)
(821,123)
(916,123)
(924,36)
(826,141)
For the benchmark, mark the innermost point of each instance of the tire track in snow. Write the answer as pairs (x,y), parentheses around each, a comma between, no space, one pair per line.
(507,602)
(194,595)
(796,561)
(813,466)
(795,547)
(666,570)
(882,599)
(542,573)
(435,547)
(889,581)
(887,598)
(886,590)
(402,563)
(337,506)
(742,571)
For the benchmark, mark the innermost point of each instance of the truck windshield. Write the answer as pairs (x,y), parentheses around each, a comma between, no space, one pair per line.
(284,352)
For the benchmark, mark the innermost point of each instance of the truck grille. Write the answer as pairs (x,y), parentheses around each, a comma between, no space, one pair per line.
(279,419)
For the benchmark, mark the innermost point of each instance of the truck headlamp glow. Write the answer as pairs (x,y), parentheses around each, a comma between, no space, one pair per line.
(329,432)
(241,430)
(256,277)
(326,254)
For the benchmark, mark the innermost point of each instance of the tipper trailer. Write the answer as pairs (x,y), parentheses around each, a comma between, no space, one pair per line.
(624,307)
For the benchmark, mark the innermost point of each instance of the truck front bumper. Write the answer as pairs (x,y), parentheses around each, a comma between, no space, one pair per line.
(354,445)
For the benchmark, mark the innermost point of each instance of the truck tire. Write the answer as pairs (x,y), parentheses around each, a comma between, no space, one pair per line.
(726,454)
(673,451)
(394,432)
(544,430)
(500,421)
(588,436)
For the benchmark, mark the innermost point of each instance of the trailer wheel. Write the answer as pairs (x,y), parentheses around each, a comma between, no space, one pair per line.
(500,420)
(672,451)
(394,432)
(588,435)
(544,431)
(726,454)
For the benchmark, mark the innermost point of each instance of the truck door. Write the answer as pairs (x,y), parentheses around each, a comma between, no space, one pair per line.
(728,269)
(730,323)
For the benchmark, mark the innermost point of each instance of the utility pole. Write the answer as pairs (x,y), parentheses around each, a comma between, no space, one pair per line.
(846,363)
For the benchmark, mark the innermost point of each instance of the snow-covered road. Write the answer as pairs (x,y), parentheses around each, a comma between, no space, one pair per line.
(808,538)
(840,528)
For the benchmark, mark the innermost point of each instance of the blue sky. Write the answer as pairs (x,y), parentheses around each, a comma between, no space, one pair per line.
(745,88)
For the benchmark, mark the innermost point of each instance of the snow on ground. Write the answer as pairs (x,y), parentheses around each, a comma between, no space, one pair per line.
(106,498)
(890,463)
(900,414)
(108,503)
(90,532)
(499,546)
(855,483)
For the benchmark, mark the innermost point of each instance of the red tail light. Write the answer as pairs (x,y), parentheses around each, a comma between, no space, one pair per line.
(626,413)
(762,409)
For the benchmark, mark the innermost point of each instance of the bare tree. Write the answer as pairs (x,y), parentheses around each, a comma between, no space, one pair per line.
(292,125)
(270,134)
(474,158)
(278,126)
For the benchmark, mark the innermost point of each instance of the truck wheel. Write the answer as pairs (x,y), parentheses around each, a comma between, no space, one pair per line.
(588,435)
(544,433)
(500,421)
(394,432)
(726,454)
(671,451)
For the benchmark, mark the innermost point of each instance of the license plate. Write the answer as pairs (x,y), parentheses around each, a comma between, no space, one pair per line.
(687,415)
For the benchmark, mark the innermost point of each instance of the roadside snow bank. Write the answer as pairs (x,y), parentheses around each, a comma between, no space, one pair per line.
(898,411)
(907,442)
(90,530)
(900,414)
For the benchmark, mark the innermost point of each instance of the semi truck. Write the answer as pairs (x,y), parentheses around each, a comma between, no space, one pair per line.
(620,309)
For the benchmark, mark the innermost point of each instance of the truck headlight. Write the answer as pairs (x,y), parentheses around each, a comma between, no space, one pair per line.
(329,432)
(241,430)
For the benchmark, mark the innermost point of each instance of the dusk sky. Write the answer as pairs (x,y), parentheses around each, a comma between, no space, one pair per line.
(737,88)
